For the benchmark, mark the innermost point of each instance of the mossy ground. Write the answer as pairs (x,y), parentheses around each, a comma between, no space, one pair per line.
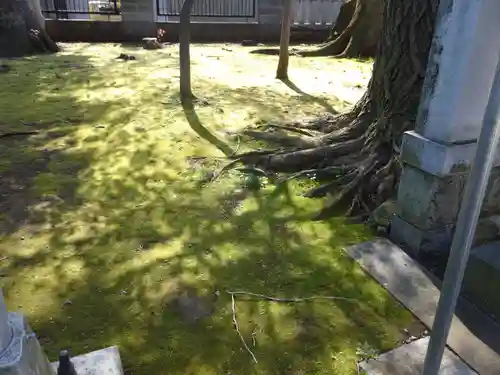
(103,216)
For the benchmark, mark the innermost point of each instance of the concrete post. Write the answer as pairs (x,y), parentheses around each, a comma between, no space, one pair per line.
(20,352)
(438,154)
(5,329)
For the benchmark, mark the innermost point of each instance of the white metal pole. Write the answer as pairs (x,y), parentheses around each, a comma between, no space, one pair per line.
(465,229)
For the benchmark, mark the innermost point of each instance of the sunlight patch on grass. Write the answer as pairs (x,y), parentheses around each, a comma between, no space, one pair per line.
(108,213)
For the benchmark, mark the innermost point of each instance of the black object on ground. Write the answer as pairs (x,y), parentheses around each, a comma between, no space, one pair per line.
(126,57)
(65,367)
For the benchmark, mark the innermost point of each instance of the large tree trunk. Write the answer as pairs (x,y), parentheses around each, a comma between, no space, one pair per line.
(22,29)
(356,32)
(356,153)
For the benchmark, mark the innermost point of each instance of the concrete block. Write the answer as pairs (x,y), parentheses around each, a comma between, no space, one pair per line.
(100,362)
(482,278)
(437,158)
(419,241)
(428,201)
(23,355)
(409,359)
(457,83)
(429,207)
(474,336)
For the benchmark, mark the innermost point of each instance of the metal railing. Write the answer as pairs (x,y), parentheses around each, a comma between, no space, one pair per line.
(209,8)
(316,12)
(63,9)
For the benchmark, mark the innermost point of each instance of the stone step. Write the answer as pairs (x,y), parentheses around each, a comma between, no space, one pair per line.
(409,359)
(474,337)
(100,362)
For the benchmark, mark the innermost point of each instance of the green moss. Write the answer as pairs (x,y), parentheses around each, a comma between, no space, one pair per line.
(116,147)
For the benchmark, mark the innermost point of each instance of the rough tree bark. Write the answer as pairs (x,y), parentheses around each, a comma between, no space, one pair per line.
(286,21)
(22,29)
(184,56)
(356,32)
(356,154)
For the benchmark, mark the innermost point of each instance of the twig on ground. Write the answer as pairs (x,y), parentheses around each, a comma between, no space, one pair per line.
(289,300)
(254,341)
(227,167)
(237,146)
(235,321)
(273,299)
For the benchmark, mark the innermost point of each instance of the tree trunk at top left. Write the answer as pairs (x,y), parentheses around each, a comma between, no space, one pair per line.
(22,29)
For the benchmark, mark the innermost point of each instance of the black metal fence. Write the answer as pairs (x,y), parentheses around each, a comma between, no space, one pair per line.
(209,8)
(62,9)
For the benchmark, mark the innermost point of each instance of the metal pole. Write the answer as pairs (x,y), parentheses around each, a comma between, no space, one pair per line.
(465,229)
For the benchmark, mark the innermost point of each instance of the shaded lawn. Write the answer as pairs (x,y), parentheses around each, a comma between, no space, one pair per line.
(105,222)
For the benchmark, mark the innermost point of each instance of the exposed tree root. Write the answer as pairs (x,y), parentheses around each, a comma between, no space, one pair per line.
(13,134)
(281,138)
(23,29)
(358,37)
(354,164)
(41,41)
(354,156)
(293,129)
(338,45)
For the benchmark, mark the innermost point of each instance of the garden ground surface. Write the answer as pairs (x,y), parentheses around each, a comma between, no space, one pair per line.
(109,235)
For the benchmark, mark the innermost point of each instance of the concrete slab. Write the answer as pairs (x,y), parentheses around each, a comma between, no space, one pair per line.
(409,359)
(474,337)
(100,362)
(482,278)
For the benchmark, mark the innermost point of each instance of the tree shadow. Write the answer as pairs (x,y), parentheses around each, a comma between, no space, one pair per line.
(202,131)
(129,270)
(127,228)
(310,97)
(38,170)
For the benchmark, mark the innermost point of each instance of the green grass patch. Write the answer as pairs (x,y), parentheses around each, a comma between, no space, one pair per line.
(105,219)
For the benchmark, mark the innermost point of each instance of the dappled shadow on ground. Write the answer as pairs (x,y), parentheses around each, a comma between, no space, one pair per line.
(128,228)
(37,170)
(120,272)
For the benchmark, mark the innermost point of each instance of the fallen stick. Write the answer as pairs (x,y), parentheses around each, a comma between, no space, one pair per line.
(235,321)
(290,300)
(272,299)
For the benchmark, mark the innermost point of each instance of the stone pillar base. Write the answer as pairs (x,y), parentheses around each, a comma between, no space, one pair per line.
(23,355)
(417,241)
(430,193)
